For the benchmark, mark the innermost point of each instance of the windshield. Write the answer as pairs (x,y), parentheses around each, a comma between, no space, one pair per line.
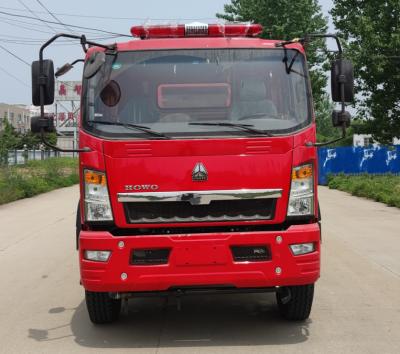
(182,93)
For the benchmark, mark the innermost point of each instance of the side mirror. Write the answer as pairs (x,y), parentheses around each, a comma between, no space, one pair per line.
(93,64)
(47,124)
(339,117)
(345,67)
(46,80)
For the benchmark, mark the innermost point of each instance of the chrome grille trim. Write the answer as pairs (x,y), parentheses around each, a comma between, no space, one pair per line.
(196,219)
(199,197)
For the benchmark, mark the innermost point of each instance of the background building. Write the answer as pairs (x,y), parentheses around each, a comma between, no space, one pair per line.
(365,140)
(17,115)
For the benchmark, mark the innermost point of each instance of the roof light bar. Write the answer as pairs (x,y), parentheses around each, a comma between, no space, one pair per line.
(197,29)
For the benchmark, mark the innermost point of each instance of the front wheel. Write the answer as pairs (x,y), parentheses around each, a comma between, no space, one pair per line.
(101,307)
(295,302)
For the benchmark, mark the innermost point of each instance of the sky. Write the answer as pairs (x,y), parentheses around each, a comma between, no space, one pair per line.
(27,35)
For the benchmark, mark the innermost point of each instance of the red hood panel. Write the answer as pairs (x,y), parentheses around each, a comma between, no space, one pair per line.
(230,164)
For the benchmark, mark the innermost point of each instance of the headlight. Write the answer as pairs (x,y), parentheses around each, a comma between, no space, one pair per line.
(301,199)
(97,201)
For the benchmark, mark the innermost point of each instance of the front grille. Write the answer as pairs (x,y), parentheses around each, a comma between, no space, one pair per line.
(217,210)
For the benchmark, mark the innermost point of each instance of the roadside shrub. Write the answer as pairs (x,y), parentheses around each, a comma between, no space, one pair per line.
(36,177)
(384,189)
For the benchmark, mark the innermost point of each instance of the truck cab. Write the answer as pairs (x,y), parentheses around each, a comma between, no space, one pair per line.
(199,172)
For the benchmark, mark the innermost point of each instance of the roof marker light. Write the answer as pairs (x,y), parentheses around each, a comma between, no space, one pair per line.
(197,29)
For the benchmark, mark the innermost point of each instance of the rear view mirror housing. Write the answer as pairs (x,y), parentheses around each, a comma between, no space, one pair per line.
(94,64)
(46,81)
(43,84)
(46,124)
(342,72)
(340,118)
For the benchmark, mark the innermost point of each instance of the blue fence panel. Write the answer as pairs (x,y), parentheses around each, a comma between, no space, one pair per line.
(356,160)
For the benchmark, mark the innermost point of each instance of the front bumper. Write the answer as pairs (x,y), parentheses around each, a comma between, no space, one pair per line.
(199,260)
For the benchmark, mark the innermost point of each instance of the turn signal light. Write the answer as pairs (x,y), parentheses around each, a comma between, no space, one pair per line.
(94,177)
(302,172)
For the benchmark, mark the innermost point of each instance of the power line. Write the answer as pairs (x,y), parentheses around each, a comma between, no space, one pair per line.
(86,28)
(20,1)
(34,44)
(52,15)
(116,17)
(24,27)
(31,25)
(14,77)
(39,43)
(19,37)
(15,56)
(41,40)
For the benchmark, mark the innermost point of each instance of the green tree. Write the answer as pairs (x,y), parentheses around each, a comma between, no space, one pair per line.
(32,141)
(9,140)
(52,139)
(372,29)
(325,130)
(287,19)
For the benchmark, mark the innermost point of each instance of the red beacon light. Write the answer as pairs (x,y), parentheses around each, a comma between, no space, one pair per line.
(197,29)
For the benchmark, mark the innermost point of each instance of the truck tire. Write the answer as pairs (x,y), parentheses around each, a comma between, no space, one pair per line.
(101,307)
(295,302)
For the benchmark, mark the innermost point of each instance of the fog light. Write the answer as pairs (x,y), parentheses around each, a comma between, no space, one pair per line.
(121,244)
(124,276)
(279,239)
(302,248)
(98,256)
(278,270)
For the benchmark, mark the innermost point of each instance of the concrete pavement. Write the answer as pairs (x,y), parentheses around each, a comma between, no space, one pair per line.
(356,306)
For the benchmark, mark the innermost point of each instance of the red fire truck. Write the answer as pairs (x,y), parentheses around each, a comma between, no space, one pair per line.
(198,164)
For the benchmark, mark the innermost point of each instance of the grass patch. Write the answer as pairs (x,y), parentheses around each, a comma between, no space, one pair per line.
(384,189)
(35,177)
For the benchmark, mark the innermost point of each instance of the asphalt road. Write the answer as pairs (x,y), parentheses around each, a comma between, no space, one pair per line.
(356,307)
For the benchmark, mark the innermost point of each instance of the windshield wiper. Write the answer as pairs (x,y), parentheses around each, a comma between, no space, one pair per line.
(245,127)
(142,128)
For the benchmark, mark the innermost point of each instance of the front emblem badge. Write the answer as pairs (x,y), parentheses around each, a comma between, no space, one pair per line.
(199,173)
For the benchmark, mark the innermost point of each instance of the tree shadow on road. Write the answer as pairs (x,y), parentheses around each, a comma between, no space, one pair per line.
(212,320)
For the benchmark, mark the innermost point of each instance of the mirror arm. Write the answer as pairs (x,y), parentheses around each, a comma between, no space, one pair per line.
(309,37)
(342,80)
(77,61)
(45,142)
(42,80)
(331,141)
